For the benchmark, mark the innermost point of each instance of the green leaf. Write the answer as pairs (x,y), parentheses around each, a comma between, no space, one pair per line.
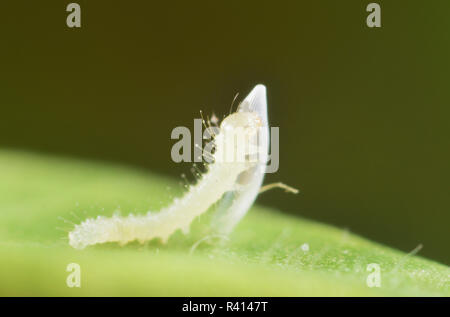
(265,256)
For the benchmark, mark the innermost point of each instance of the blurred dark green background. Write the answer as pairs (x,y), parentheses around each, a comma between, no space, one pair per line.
(363,113)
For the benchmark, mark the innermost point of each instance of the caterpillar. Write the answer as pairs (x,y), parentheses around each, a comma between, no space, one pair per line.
(234,183)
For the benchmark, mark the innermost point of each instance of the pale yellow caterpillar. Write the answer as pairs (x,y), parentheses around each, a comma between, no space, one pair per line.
(235,183)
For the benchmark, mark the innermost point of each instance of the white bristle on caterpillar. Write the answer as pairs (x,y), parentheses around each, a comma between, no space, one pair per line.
(236,182)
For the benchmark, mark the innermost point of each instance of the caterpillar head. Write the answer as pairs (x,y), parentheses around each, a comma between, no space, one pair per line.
(245,132)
